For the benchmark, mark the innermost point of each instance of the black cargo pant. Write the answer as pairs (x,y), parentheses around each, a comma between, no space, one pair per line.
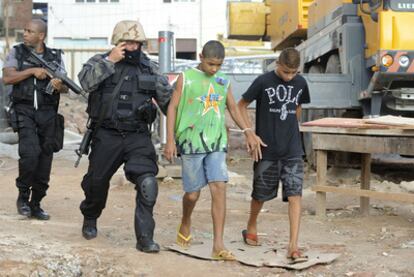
(110,149)
(35,132)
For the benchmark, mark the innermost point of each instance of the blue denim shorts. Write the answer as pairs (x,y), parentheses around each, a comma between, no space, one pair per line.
(200,169)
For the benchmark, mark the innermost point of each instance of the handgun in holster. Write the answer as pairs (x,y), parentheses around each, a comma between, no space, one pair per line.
(147,112)
(12,117)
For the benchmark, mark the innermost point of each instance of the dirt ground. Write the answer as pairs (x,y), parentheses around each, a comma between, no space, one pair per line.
(381,244)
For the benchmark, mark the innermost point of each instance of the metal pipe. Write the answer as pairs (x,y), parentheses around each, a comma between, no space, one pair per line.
(165,42)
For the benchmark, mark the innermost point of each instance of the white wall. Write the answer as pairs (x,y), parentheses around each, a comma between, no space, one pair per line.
(71,20)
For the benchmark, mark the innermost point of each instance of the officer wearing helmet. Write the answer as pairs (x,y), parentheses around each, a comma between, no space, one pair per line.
(122,85)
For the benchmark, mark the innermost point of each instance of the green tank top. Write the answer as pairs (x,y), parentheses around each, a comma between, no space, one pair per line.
(200,122)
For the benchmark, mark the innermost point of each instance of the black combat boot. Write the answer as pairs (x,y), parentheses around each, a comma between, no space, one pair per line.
(38,212)
(147,245)
(22,203)
(89,230)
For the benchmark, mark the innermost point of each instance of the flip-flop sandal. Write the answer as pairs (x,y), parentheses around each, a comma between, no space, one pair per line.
(182,240)
(297,257)
(250,239)
(223,255)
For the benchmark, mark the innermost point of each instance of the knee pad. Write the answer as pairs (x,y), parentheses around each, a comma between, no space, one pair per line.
(148,188)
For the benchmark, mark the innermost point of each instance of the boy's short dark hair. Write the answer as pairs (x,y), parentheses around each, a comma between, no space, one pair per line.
(213,49)
(290,57)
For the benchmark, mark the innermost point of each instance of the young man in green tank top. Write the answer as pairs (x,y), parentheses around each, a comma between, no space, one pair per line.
(196,130)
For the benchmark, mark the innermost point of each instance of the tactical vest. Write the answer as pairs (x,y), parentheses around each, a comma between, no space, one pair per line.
(23,92)
(128,109)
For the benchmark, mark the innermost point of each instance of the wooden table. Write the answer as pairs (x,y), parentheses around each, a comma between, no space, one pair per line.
(352,135)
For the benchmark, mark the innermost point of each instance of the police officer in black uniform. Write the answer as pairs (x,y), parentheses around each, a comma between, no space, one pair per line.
(122,85)
(35,116)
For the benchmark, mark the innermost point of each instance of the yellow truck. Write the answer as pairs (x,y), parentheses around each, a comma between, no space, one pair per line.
(357,53)
(246,20)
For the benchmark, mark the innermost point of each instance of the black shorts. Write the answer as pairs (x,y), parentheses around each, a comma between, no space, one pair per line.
(267,175)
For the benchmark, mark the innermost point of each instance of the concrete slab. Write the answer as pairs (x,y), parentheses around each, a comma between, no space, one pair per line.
(162,172)
(173,170)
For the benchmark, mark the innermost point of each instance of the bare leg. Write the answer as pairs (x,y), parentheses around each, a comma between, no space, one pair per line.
(255,208)
(294,220)
(218,213)
(189,202)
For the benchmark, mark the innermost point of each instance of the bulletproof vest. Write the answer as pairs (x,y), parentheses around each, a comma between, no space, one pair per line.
(23,92)
(126,108)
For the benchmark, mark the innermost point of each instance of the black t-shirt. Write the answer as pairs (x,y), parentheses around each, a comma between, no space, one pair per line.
(276,122)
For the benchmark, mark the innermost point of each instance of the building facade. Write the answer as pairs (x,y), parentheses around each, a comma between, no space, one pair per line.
(14,16)
(89,23)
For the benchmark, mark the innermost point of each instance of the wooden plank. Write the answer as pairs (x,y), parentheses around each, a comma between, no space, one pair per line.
(321,166)
(320,209)
(363,144)
(365,182)
(400,197)
(344,123)
(356,131)
(321,169)
(391,120)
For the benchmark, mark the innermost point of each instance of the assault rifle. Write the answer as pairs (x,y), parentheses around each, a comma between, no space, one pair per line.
(85,143)
(55,70)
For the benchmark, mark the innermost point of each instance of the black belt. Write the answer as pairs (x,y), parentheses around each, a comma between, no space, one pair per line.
(30,104)
(126,126)
(23,102)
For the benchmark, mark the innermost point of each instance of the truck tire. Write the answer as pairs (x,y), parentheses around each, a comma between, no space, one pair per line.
(333,66)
